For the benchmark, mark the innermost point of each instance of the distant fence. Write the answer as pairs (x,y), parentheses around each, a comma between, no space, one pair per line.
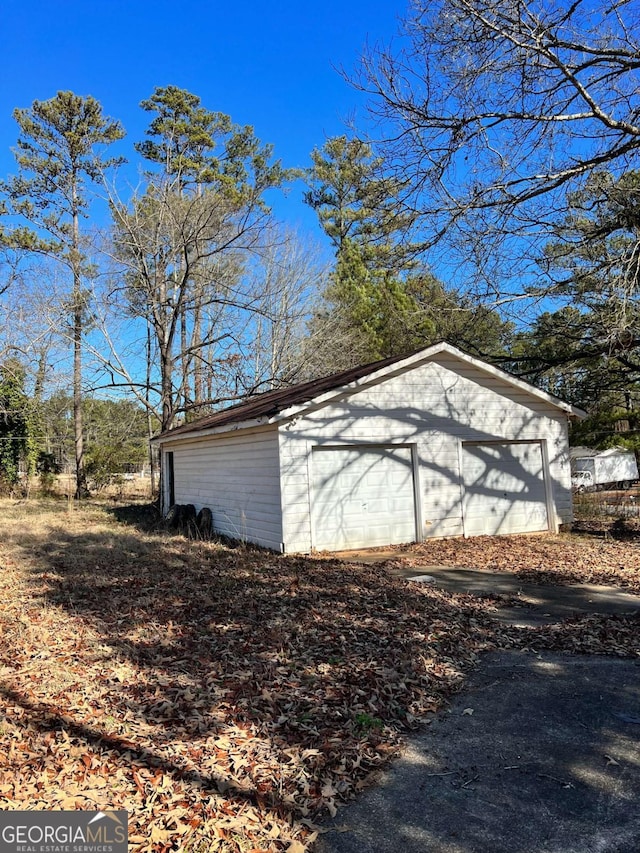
(606,505)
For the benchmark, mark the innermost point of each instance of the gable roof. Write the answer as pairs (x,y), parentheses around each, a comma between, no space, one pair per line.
(273,406)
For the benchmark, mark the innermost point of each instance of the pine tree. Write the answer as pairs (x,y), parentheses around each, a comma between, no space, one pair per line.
(358,205)
(588,351)
(379,303)
(59,155)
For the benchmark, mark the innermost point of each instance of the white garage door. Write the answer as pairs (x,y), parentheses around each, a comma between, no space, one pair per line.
(361,497)
(504,488)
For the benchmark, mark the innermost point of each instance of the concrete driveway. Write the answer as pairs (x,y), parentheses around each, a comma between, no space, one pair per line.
(534,604)
(538,754)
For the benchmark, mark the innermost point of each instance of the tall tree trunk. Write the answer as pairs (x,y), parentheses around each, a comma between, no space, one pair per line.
(81,477)
(166,389)
(197,344)
(185,359)
(41,375)
(198,389)
(152,455)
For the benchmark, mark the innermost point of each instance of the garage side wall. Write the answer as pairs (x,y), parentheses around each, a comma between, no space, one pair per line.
(238,477)
(436,407)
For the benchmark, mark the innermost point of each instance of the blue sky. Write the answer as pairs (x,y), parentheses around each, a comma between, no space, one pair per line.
(271,65)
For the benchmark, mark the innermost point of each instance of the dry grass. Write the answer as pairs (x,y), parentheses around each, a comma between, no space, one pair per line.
(121,489)
(222,696)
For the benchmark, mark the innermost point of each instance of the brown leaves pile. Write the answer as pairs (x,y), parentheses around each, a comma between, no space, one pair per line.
(223,697)
(593,634)
(562,559)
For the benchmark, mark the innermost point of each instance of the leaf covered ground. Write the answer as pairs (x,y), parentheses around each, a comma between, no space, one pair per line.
(600,559)
(224,697)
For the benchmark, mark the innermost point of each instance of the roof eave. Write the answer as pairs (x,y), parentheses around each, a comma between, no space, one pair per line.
(251,423)
(521,384)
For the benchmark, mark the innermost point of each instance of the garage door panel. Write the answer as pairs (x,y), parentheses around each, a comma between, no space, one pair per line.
(362,497)
(504,488)
(378,478)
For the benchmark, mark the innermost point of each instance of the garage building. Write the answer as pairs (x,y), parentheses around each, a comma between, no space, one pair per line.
(434,444)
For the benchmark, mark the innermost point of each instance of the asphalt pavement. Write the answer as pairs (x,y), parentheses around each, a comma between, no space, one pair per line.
(540,753)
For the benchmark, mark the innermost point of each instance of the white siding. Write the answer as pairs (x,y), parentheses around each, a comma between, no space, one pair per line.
(237,476)
(435,406)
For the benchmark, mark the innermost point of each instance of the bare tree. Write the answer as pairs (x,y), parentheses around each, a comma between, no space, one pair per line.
(286,278)
(183,240)
(492,110)
(34,322)
(166,241)
(252,289)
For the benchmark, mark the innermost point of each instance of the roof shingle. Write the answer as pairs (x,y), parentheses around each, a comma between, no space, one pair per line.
(271,403)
